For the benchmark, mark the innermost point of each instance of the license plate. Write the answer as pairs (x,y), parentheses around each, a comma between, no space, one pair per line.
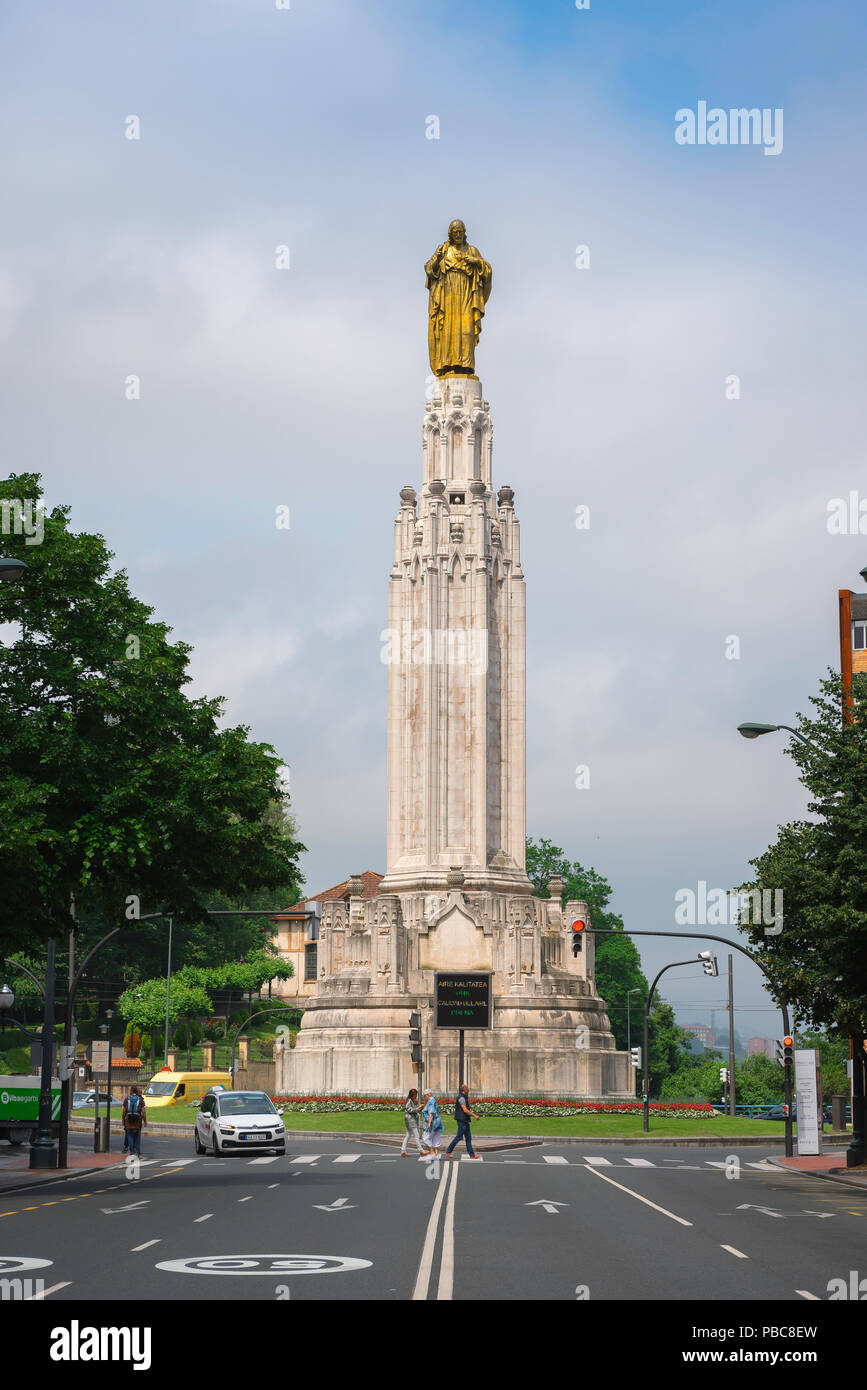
(254,1137)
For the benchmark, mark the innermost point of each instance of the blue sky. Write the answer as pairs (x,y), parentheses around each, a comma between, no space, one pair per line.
(306,127)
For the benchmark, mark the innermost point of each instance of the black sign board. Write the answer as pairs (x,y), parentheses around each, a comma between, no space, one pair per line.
(463,1001)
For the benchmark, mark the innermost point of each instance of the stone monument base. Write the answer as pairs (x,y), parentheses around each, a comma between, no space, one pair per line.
(550,1034)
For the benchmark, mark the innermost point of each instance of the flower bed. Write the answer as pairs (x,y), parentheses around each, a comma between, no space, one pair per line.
(497,1106)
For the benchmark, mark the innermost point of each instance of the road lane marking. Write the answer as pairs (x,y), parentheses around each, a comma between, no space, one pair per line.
(549,1158)
(273,1184)
(206,1217)
(306,1158)
(146,1246)
(468,1158)
(640,1163)
(732,1251)
(599,1162)
(245,1199)
(348,1158)
(805,1293)
(638,1197)
(43,1293)
(419,1293)
(269,1158)
(445,1288)
(180,1162)
(764,1166)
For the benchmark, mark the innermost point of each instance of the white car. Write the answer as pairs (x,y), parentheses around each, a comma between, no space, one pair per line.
(237,1121)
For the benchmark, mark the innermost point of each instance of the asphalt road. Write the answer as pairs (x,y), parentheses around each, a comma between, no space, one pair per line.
(350,1220)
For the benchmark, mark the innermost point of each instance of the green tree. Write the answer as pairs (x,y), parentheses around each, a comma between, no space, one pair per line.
(145,1004)
(759,1081)
(114,782)
(818,962)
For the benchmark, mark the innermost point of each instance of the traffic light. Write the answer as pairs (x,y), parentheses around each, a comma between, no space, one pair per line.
(635,1056)
(578,927)
(724,1075)
(788,1052)
(709,961)
(415,1035)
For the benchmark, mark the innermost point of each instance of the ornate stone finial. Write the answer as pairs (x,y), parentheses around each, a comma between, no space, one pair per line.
(459,280)
(556,886)
(455,877)
(355,885)
(407,496)
(477,488)
(506,496)
(437,487)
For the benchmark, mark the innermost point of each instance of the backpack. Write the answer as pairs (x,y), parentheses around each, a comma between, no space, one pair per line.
(133,1112)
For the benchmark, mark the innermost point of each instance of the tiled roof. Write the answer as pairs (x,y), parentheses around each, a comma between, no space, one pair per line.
(370,880)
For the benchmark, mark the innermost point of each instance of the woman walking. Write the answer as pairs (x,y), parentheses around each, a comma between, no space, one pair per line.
(433,1125)
(411,1118)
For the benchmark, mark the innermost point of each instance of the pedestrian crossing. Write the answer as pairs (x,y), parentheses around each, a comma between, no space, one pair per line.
(551,1160)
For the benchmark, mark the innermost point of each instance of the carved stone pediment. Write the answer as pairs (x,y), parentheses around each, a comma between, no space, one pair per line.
(458,938)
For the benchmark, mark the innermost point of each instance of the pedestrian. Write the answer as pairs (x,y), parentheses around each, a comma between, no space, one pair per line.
(433,1125)
(410,1119)
(463,1115)
(134,1117)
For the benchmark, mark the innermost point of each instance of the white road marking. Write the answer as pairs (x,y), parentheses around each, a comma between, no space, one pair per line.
(33,1297)
(468,1158)
(306,1158)
(732,1251)
(640,1163)
(714,1163)
(206,1217)
(245,1199)
(269,1158)
(764,1166)
(552,1158)
(805,1293)
(146,1246)
(339,1204)
(422,1281)
(447,1260)
(273,1184)
(599,1162)
(548,1204)
(348,1158)
(638,1197)
(180,1162)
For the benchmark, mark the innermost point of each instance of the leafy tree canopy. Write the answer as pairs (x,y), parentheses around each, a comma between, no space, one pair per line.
(114,782)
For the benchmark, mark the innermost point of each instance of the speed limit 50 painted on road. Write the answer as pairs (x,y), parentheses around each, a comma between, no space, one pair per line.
(264,1264)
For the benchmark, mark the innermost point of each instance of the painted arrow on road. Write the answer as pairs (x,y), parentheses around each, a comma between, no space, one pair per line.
(133,1206)
(769,1211)
(338,1205)
(548,1205)
(817,1213)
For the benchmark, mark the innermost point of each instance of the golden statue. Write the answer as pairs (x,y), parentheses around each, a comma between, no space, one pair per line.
(459,280)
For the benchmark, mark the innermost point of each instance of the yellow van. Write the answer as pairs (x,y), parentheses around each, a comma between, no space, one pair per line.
(183,1087)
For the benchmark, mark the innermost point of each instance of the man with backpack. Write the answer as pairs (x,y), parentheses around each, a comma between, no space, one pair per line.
(463,1115)
(133,1119)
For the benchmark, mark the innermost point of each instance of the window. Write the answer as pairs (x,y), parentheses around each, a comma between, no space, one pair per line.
(859,635)
(310,953)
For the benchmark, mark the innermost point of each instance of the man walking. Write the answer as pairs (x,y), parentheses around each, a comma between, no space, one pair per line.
(463,1115)
(133,1119)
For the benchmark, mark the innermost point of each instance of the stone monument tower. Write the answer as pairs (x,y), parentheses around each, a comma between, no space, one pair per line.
(455,896)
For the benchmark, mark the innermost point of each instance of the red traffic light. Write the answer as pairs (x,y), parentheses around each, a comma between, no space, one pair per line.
(787,1042)
(578,925)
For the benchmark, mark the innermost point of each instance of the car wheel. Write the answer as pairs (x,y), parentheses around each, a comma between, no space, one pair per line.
(16,1139)
(281,1152)
(217,1151)
(200,1148)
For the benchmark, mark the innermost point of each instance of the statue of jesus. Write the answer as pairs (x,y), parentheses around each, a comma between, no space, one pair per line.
(459,280)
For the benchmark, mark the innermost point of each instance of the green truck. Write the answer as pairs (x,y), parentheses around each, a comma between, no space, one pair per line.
(19,1107)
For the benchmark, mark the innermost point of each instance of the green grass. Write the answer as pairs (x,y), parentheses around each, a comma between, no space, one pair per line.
(602,1126)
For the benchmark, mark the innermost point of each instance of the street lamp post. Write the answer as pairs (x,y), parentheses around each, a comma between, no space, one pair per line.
(645,1055)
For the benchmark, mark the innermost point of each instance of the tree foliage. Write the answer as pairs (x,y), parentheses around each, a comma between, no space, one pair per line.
(818,962)
(114,782)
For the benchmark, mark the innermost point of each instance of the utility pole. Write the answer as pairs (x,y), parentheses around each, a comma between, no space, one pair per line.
(731,1040)
(856,1151)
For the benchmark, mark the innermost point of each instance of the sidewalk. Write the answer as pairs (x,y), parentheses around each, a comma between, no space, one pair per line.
(15,1173)
(824,1166)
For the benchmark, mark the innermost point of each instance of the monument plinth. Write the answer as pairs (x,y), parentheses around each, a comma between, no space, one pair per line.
(455,896)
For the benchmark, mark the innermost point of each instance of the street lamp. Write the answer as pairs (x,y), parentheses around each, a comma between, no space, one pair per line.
(11,568)
(702,955)
(756,731)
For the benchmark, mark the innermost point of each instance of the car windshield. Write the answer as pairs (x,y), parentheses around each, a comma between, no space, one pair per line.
(253,1102)
(161,1088)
